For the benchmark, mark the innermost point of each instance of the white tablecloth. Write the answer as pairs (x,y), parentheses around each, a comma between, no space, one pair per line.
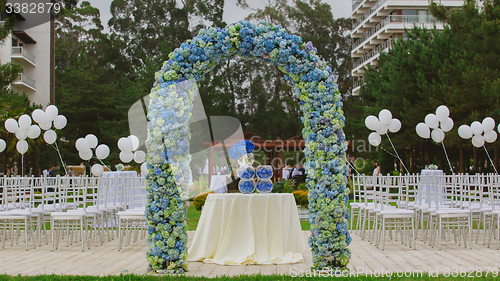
(430,182)
(248,229)
(218,184)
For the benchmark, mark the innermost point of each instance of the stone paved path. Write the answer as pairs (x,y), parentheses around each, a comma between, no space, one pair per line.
(106,260)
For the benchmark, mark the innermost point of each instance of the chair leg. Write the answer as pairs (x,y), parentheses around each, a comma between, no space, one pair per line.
(52,230)
(119,233)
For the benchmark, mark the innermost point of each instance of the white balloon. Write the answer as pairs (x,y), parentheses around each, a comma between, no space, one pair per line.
(60,122)
(144,168)
(21,134)
(478,141)
(46,125)
(385,116)
(394,125)
(442,113)
(447,125)
(465,132)
(490,136)
(477,128)
(372,122)
(82,144)
(135,141)
(374,139)
(85,154)
(3,145)
(97,170)
(50,136)
(11,125)
(33,132)
(139,156)
(488,124)
(126,156)
(92,140)
(382,130)
(423,130)
(124,144)
(102,151)
(498,128)
(24,121)
(22,146)
(437,135)
(51,112)
(432,121)
(39,116)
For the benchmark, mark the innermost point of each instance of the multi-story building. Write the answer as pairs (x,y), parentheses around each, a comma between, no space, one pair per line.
(377,23)
(30,44)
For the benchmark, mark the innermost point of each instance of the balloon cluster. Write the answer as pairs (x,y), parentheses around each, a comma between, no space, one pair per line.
(85,146)
(128,151)
(23,128)
(479,132)
(440,123)
(381,125)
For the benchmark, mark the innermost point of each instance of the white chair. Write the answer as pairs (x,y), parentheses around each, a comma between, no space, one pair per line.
(73,194)
(494,213)
(368,205)
(17,210)
(401,219)
(455,219)
(357,200)
(133,219)
(45,198)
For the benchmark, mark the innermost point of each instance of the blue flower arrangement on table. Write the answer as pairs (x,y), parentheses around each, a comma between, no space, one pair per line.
(323,120)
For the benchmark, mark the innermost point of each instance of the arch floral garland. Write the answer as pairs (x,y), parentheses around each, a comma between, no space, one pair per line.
(323,123)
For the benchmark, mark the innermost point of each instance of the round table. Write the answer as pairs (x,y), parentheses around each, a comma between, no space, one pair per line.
(237,228)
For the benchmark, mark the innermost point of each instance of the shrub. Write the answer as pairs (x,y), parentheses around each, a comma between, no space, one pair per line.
(301,198)
(199,200)
(284,186)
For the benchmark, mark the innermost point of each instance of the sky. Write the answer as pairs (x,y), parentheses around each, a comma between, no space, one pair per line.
(232,13)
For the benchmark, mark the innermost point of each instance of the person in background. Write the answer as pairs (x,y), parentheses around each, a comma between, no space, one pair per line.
(8,171)
(45,173)
(351,167)
(376,170)
(71,172)
(51,172)
(302,170)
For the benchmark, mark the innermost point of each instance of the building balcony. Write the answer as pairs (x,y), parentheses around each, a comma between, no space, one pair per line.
(359,7)
(370,58)
(386,28)
(24,82)
(377,11)
(356,86)
(20,53)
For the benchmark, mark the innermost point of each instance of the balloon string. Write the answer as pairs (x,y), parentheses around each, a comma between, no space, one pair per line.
(354,168)
(60,157)
(388,152)
(448,159)
(396,152)
(22,165)
(102,163)
(490,159)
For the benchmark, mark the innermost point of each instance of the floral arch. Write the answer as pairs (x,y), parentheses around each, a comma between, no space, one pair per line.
(168,135)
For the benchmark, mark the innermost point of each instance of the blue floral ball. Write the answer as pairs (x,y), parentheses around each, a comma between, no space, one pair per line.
(246,173)
(264,186)
(246,186)
(264,173)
